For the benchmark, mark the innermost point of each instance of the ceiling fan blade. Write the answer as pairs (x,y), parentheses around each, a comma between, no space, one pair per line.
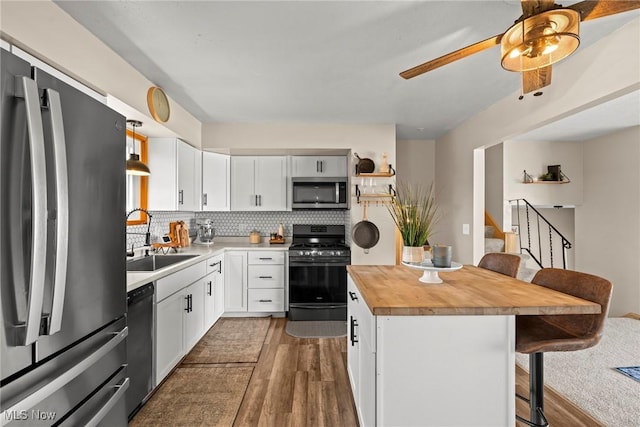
(534,7)
(451,57)
(592,9)
(536,79)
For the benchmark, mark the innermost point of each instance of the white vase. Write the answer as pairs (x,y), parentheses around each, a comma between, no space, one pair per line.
(412,253)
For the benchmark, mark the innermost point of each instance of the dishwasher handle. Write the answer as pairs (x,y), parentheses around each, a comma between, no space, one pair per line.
(137,295)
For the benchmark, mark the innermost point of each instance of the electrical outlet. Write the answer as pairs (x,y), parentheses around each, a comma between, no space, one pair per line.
(465,228)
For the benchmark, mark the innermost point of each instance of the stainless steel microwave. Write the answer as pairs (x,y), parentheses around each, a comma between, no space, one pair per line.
(319,193)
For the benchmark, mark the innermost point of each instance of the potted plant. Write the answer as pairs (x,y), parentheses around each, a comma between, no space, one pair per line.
(414,210)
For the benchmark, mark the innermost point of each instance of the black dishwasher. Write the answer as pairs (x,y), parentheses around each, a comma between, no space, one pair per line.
(139,346)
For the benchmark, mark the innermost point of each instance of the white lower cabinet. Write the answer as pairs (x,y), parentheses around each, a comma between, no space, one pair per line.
(169,314)
(193,326)
(255,281)
(361,356)
(213,292)
(235,281)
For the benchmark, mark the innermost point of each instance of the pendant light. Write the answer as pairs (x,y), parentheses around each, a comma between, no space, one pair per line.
(134,165)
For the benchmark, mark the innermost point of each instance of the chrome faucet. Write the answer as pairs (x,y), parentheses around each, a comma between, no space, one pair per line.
(147,240)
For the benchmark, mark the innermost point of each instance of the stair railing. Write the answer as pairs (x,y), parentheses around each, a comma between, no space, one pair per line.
(538,258)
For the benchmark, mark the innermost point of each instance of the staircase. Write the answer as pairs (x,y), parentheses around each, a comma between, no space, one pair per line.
(540,244)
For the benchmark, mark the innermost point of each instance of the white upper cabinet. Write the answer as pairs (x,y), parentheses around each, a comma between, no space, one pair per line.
(176,178)
(258,183)
(216,183)
(311,166)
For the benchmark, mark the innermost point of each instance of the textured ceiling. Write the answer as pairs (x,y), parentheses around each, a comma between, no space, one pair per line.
(318,61)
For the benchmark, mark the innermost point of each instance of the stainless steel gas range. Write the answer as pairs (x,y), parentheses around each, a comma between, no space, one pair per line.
(318,259)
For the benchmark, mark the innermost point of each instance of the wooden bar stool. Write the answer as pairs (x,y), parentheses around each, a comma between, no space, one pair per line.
(538,334)
(501,262)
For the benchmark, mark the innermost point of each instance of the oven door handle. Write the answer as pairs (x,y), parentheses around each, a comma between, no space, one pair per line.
(316,262)
(316,307)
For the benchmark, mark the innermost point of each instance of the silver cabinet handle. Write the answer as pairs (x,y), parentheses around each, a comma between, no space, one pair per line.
(265,277)
(181,197)
(99,416)
(57,383)
(209,292)
(28,89)
(255,203)
(204,196)
(259,199)
(62,215)
(265,300)
(265,258)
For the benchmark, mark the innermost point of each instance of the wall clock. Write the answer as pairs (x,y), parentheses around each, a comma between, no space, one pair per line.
(158,104)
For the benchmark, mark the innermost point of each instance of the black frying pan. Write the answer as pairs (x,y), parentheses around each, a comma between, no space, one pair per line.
(365,233)
(364,165)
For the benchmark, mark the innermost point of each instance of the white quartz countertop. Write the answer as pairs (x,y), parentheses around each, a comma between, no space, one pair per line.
(204,252)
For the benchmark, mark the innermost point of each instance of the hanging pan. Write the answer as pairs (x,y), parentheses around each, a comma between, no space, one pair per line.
(365,233)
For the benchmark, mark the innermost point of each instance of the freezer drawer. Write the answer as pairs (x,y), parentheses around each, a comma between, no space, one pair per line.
(49,393)
(106,407)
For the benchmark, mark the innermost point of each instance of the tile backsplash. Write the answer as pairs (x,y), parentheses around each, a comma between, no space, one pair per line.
(230,224)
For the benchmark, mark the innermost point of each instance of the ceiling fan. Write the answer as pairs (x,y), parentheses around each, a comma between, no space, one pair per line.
(545,34)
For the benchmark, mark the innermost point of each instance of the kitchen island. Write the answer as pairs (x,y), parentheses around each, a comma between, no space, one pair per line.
(439,354)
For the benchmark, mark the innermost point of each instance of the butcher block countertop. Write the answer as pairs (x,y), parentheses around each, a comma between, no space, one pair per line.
(395,290)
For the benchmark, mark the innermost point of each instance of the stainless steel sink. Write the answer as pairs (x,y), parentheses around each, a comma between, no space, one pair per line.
(156,262)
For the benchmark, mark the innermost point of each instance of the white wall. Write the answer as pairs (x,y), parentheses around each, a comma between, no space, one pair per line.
(534,157)
(494,184)
(608,222)
(603,71)
(416,161)
(367,140)
(50,34)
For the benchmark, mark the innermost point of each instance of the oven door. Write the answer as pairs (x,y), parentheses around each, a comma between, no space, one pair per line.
(317,289)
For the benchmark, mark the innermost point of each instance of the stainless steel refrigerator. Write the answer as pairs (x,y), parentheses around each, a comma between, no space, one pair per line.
(62,264)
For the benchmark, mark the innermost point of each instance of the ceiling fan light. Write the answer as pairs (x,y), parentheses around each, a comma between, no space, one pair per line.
(541,40)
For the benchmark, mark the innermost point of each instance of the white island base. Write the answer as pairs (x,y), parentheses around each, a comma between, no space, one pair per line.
(431,370)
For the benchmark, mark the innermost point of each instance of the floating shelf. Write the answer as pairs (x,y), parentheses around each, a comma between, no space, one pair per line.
(376,197)
(389,174)
(528,179)
(546,182)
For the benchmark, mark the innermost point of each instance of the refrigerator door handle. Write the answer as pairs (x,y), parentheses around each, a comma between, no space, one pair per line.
(28,89)
(57,383)
(99,416)
(62,216)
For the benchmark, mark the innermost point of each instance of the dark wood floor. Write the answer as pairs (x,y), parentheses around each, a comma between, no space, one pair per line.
(298,382)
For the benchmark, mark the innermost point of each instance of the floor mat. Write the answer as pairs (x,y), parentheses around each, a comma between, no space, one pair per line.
(231,340)
(630,371)
(316,328)
(196,397)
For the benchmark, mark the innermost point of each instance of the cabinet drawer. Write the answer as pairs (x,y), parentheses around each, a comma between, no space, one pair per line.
(180,279)
(266,276)
(266,257)
(266,300)
(214,264)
